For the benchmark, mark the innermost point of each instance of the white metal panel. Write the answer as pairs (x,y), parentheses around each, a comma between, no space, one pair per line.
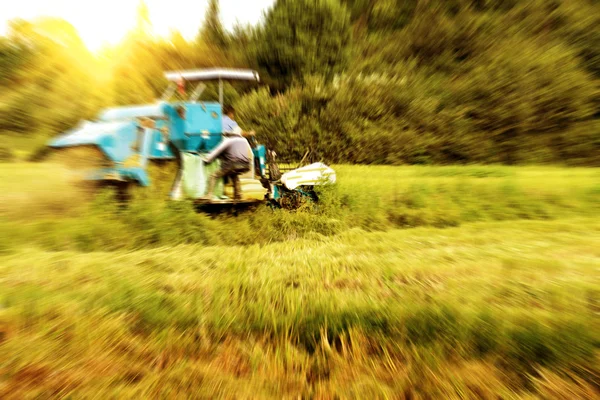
(213,74)
(311,175)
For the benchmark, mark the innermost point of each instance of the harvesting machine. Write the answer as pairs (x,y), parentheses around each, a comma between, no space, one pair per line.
(133,137)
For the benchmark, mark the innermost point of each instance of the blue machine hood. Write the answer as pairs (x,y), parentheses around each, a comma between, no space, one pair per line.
(113,138)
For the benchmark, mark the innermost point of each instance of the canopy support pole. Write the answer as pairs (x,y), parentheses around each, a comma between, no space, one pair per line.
(221,92)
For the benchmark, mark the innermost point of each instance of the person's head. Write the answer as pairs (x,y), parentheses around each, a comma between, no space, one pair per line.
(229,111)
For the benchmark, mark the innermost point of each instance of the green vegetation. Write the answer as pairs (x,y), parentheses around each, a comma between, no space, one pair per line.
(339,299)
(369,198)
(354,81)
(422,281)
(301,38)
(489,309)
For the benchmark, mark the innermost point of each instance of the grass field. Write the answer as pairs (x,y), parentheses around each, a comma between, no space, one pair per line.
(493,292)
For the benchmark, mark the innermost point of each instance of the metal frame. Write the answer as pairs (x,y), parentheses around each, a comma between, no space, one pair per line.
(213,74)
(197,92)
(168,92)
(219,74)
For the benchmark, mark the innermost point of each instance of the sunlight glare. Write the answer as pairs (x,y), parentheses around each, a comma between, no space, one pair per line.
(107,22)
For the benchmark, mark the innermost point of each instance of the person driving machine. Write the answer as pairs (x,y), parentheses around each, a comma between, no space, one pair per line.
(235,154)
(230,126)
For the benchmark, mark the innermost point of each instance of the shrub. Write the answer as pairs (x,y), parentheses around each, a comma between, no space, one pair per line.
(301,37)
(528,104)
(275,119)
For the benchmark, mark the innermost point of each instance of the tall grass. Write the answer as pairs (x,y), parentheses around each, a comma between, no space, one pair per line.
(485,310)
(369,198)
(155,300)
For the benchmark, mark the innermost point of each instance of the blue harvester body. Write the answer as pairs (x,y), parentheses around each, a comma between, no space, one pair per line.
(131,136)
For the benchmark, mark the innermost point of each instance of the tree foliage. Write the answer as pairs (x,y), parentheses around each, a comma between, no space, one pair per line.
(47,84)
(302,37)
(365,81)
(212,30)
(455,81)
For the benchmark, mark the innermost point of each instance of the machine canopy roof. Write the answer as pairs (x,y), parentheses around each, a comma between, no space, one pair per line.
(213,74)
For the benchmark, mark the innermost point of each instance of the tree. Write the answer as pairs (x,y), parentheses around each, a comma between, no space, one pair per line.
(13,55)
(212,31)
(137,74)
(143,26)
(381,15)
(49,83)
(302,37)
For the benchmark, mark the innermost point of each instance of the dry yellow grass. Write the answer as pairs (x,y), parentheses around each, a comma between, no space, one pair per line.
(157,301)
(423,313)
(33,190)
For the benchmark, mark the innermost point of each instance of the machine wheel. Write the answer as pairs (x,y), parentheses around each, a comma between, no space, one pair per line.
(293,200)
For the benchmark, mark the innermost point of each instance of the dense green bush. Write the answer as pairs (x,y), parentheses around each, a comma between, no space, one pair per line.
(275,119)
(367,198)
(516,101)
(301,37)
(383,81)
(530,103)
(50,88)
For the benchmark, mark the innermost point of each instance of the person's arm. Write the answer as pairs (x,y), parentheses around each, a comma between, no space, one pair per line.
(216,152)
(230,126)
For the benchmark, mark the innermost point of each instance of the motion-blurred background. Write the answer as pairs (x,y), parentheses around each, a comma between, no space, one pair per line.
(369,81)
(456,257)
